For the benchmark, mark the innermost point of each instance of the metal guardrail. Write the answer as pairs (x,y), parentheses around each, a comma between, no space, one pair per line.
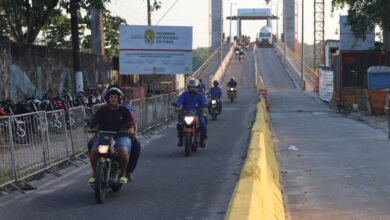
(35,142)
(206,63)
(309,72)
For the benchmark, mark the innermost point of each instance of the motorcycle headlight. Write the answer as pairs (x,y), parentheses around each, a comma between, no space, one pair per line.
(213,102)
(103,149)
(189,119)
(231,89)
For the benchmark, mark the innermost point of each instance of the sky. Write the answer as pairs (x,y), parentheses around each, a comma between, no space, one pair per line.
(196,13)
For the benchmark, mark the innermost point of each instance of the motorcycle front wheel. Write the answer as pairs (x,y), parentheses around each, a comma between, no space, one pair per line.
(187,144)
(100,182)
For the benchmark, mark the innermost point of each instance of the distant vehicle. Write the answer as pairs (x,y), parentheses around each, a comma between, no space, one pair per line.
(264,37)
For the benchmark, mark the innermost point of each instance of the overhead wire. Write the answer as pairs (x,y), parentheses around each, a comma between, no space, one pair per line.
(169,9)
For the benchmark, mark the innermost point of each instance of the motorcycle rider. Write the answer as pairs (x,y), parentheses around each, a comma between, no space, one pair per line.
(202,87)
(232,83)
(241,55)
(193,100)
(117,118)
(216,93)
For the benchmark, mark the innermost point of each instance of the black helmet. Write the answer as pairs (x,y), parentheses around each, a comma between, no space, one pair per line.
(113,90)
(215,83)
(193,83)
(232,79)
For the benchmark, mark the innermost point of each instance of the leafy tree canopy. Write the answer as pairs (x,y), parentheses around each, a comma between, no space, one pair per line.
(365,13)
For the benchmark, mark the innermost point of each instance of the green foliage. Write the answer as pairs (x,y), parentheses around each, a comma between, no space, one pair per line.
(199,55)
(363,14)
(22,20)
(58,30)
(111,33)
(308,55)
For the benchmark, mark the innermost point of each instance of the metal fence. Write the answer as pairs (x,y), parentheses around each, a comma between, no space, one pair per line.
(34,142)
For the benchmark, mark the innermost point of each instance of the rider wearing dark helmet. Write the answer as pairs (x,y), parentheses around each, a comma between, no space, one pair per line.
(117,118)
(216,93)
(193,100)
(232,83)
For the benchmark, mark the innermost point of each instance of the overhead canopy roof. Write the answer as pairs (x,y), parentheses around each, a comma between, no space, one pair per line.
(253,14)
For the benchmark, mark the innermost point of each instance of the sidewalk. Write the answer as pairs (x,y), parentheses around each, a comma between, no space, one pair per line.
(377,122)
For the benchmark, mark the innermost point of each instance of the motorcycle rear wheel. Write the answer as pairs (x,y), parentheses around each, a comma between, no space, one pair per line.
(100,182)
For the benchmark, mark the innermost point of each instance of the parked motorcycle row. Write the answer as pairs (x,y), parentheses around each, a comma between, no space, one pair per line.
(28,120)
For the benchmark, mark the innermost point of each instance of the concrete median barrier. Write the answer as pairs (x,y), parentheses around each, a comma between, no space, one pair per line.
(257,194)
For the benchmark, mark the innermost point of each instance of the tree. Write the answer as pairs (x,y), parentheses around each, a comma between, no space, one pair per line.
(22,20)
(366,13)
(111,33)
(57,31)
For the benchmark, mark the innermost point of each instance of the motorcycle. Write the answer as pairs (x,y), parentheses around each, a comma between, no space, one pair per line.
(108,170)
(54,119)
(214,108)
(241,58)
(232,94)
(191,131)
(18,126)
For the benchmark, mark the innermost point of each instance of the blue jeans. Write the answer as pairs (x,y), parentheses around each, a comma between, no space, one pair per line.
(120,142)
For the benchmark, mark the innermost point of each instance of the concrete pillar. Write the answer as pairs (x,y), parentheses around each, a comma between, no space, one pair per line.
(289,19)
(216,24)
(238,28)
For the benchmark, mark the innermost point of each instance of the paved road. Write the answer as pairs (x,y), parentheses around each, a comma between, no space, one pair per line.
(339,168)
(168,185)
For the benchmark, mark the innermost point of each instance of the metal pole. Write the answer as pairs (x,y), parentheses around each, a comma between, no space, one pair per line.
(230,28)
(302,44)
(221,53)
(285,29)
(74,5)
(149,13)
(277,20)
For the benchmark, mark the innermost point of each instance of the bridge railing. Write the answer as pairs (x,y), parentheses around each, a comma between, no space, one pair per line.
(36,142)
(295,61)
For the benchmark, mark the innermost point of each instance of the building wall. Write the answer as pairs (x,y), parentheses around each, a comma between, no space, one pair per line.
(31,70)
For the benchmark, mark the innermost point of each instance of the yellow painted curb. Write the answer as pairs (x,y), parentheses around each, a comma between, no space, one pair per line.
(257,194)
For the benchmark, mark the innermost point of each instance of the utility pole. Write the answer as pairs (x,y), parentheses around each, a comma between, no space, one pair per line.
(302,45)
(74,6)
(221,52)
(149,13)
(97,35)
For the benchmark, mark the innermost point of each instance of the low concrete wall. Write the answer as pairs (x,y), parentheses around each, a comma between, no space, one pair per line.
(27,70)
(218,75)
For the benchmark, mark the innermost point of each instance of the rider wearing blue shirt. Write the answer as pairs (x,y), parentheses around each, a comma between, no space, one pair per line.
(202,87)
(216,93)
(193,100)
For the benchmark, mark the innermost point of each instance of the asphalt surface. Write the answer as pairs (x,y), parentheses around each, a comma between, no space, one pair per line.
(332,167)
(168,185)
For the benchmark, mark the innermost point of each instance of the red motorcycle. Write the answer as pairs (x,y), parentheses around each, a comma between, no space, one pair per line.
(191,132)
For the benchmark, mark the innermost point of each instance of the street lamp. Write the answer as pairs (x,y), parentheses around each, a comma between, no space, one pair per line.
(277,19)
(302,45)
(230,28)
